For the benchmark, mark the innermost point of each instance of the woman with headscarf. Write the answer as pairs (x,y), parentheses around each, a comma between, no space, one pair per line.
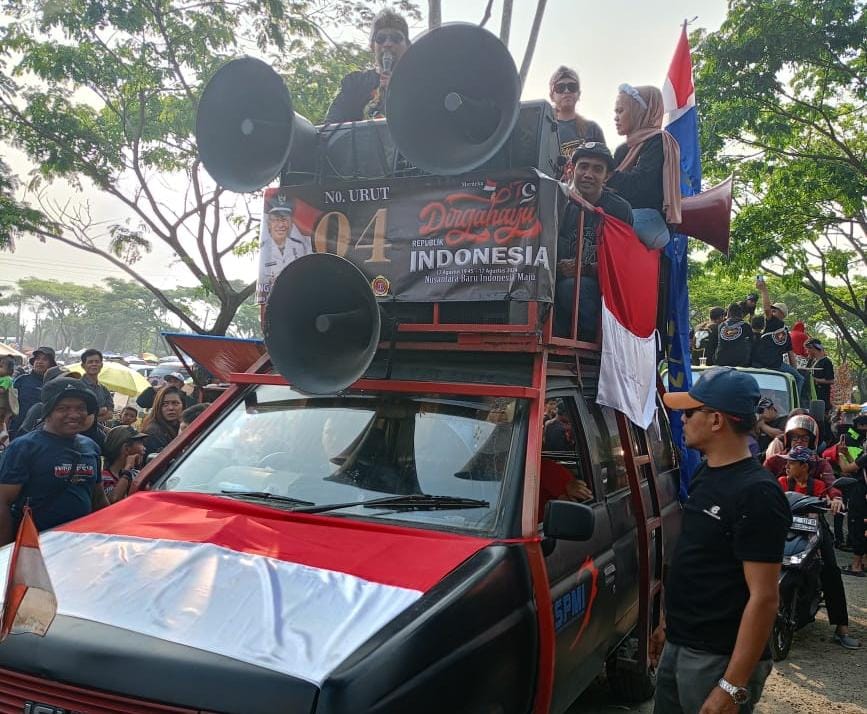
(648,164)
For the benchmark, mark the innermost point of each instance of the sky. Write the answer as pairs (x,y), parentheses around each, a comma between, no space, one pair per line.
(608,42)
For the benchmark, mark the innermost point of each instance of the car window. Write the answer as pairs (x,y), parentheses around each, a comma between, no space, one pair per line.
(563,455)
(607,450)
(360,447)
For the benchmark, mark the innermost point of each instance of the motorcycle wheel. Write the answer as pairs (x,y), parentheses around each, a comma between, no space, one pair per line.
(783,632)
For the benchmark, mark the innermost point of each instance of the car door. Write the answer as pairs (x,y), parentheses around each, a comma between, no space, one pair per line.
(618,500)
(581,574)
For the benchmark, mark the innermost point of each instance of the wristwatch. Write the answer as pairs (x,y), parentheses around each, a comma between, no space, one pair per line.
(739,695)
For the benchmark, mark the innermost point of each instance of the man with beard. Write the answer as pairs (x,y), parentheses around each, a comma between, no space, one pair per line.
(362,94)
(29,385)
(55,470)
(593,164)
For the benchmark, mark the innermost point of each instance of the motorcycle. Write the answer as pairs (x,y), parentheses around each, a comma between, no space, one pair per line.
(800,578)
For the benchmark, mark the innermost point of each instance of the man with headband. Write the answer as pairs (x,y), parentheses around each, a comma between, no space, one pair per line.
(362,94)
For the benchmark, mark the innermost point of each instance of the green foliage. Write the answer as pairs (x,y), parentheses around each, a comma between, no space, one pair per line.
(782,90)
(104,94)
(15,217)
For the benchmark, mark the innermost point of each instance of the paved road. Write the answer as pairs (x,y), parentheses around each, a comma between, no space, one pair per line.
(818,676)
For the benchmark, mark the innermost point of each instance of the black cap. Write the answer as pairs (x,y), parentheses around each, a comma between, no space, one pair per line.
(47,351)
(596,150)
(281,203)
(62,387)
(815,343)
(117,437)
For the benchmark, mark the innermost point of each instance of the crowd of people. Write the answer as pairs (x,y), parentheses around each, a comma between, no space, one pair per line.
(64,451)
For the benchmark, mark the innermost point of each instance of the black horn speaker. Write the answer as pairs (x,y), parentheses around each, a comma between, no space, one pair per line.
(321,324)
(247,130)
(453,99)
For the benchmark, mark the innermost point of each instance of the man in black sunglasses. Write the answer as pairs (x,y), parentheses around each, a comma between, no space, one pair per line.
(362,93)
(565,91)
(711,648)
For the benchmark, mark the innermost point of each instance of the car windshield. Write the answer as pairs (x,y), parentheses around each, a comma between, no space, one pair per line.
(286,450)
(772,385)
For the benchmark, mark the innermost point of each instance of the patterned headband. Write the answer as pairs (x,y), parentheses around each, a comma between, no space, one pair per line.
(633,92)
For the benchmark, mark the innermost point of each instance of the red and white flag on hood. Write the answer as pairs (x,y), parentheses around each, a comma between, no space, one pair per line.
(628,281)
(29,604)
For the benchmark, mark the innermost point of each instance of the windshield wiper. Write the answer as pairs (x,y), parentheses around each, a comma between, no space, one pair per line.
(412,502)
(265,496)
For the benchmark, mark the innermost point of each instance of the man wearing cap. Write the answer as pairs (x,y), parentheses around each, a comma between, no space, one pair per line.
(775,340)
(281,243)
(54,470)
(748,306)
(564,89)
(823,370)
(124,452)
(721,598)
(593,163)
(29,385)
(362,94)
(173,379)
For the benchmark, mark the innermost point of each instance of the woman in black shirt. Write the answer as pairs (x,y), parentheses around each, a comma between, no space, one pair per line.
(648,164)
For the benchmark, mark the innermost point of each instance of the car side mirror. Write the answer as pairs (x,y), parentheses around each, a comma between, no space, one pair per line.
(567,520)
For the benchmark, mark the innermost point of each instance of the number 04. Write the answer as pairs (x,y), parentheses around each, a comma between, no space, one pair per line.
(376,244)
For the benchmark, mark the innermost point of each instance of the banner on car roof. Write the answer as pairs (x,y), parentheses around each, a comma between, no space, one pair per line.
(426,238)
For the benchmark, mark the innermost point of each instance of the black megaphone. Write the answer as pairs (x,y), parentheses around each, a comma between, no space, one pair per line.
(321,324)
(247,130)
(453,99)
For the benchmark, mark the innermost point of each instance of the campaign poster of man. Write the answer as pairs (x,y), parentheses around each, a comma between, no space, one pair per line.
(282,239)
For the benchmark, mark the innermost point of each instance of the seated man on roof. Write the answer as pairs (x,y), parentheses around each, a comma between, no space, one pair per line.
(362,93)
(593,164)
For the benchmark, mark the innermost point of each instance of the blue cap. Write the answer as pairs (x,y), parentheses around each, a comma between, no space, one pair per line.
(722,388)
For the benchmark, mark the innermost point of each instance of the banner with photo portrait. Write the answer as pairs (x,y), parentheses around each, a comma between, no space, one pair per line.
(425,239)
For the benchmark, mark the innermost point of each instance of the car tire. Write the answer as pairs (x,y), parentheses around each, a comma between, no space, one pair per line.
(628,685)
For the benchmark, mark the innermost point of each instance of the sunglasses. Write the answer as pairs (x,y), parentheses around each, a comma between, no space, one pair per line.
(688,413)
(383,36)
(563,87)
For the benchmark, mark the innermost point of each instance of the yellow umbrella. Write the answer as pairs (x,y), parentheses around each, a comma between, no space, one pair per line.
(119,378)
(149,357)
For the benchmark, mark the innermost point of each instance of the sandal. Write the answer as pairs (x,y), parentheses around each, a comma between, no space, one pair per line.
(853,573)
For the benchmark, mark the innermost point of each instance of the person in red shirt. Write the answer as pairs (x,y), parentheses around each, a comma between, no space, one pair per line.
(797,477)
(799,336)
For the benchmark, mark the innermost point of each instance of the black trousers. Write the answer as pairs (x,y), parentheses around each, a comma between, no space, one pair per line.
(857,514)
(832,580)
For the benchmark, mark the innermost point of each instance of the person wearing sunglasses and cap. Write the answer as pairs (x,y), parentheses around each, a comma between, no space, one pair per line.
(721,596)
(592,164)
(54,470)
(564,89)
(362,93)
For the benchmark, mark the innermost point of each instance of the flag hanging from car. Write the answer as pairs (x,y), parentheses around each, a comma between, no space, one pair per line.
(29,603)
(628,280)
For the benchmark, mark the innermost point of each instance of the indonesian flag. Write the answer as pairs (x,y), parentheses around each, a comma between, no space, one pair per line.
(29,604)
(628,280)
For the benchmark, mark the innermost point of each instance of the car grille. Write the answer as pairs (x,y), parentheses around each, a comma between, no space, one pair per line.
(16,689)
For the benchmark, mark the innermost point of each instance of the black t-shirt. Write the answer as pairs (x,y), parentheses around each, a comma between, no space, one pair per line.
(641,184)
(824,370)
(772,345)
(734,345)
(571,137)
(734,513)
(609,202)
(356,92)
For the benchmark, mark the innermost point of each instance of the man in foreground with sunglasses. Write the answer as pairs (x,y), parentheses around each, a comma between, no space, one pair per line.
(565,91)
(362,93)
(721,598)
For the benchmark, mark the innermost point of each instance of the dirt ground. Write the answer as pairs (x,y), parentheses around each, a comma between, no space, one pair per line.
(818,675)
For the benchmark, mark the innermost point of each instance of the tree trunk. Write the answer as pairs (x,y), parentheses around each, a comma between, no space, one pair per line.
(434,14)
(531,41)
(506,22)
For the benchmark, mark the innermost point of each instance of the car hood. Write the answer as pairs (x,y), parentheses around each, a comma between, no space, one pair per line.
(292,593)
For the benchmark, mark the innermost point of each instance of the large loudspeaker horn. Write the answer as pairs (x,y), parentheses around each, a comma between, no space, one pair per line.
(708,216)
(321,324)
(246,129)
(453,99)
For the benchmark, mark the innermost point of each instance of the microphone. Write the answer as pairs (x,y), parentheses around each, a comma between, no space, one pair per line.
(387,62)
